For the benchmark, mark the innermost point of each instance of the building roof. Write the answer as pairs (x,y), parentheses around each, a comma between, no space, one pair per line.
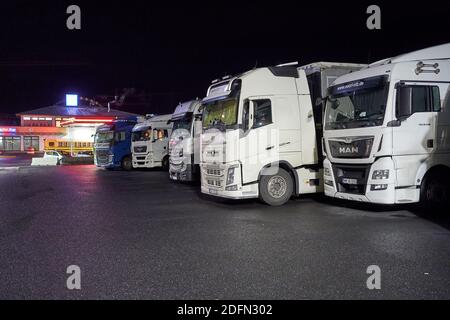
(80,111)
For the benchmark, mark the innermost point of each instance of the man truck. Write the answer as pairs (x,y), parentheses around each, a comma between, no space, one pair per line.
(112,144)
(387,131)
(261,131)
(184,149)
(149,142)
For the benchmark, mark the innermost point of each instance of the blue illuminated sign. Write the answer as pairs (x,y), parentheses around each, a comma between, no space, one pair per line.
(71,100)
(10,130)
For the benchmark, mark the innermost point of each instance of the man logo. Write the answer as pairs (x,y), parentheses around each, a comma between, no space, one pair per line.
(348,149)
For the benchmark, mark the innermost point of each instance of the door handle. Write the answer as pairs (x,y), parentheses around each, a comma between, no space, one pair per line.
(271,147)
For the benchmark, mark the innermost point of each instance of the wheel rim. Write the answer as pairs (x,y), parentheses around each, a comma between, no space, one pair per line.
(277,187)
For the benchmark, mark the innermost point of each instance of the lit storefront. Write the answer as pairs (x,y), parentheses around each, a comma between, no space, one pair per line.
(59,126)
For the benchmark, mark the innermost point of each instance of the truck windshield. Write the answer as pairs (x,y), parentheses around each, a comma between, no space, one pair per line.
(220,114)
(361,107)
(102,137)
(184,123)
(143,134)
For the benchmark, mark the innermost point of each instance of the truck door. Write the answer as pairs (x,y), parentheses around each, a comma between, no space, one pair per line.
(417,107)
(160,143)
(257,143)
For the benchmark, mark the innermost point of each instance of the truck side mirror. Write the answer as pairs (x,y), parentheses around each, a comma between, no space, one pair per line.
(319,101)
(403,107)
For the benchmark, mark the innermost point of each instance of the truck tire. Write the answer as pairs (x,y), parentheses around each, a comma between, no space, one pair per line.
(435,191)
(127,164)
(165,163)
(276,189)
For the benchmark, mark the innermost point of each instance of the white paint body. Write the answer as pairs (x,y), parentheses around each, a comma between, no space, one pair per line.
(184,144)
(408,150)
(290,139)
(150,152)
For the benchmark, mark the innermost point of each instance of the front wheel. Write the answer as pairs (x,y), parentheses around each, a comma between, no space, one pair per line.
(276,189)
(127,164)
(435,191)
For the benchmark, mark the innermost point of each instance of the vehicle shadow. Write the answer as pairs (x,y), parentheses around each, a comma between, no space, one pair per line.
(439,217)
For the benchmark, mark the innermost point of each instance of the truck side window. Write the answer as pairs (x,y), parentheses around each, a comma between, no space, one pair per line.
(419,99)
(245,115)
(436,99)
(262,112)
(425,99)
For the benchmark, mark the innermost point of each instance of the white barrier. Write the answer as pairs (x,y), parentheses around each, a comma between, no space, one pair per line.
(50,161)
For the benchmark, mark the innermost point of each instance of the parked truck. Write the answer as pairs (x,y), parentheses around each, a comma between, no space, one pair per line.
(184,144)
(261,131)
(387,131)
(149,142)
(112,144)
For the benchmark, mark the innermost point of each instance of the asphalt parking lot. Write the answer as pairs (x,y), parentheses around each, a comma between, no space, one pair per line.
(138,235)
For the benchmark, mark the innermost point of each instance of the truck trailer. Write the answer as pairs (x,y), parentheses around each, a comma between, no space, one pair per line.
(386,130)
(261,131)
(184,144)
(150,142)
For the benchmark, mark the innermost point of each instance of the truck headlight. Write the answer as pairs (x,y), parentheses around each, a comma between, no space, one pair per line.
(230,175)
(380,174)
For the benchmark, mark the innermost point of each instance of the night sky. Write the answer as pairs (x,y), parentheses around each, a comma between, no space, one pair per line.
(173,50)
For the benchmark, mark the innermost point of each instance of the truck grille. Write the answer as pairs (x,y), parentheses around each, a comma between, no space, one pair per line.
(214,183)
(102,156)
(351,178)
(214,172)
(140,149)
(355,147)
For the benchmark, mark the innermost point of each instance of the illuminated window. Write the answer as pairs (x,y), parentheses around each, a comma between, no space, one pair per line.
(31,142)
(10,143)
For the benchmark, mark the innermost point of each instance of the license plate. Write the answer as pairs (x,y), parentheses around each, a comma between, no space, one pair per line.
(349,181)
(212,191)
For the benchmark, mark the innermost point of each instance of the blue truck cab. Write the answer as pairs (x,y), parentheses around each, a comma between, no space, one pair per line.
(112,144)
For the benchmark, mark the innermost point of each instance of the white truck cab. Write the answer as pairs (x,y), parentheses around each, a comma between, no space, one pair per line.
(387,130)
(260,132)
(149,142)
(184,144)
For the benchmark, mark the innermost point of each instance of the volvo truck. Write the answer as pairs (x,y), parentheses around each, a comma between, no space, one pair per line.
(150,142)
(261,131)
(387,131)
(112,144)
(184,144)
